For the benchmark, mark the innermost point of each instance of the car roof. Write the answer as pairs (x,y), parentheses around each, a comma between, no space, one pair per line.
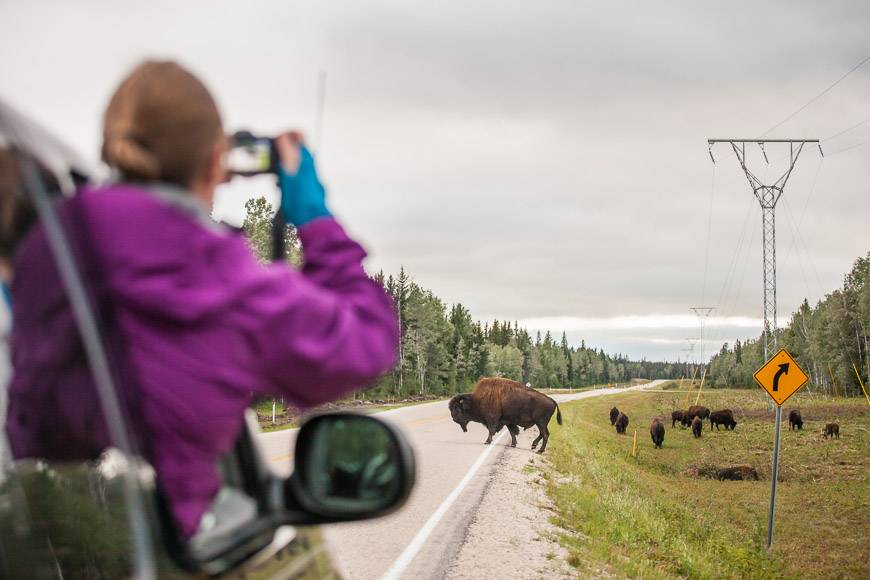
(21,134)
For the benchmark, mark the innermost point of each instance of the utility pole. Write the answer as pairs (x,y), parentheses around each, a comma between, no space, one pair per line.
(690,360)
(690,346)
(768,196)
(702,312)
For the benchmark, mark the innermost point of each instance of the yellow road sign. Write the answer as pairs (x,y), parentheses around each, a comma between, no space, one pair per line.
(781,376)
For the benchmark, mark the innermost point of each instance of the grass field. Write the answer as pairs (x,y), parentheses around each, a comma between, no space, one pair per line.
(654,516)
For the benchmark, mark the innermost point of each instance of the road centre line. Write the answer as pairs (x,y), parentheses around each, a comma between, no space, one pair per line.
(284,457)
(413,548)
(424,421)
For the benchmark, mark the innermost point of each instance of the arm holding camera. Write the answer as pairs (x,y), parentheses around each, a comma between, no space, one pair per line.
(303,197)
(344,329)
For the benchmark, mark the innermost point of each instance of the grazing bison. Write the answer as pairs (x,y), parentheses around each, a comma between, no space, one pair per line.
(832,429)
(621,423)
(499,402)
(697,427)
(657,432)
(614,415)
(795,421)
(678,416)
(737,473)
(698,411)
(723,417)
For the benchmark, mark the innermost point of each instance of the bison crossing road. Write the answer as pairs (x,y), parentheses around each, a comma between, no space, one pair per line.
(423,539)
(496,403)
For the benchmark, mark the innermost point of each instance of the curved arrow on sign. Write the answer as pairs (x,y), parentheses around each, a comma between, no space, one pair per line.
(783,370)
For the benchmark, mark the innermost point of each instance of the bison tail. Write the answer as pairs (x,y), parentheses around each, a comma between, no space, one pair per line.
(558,414)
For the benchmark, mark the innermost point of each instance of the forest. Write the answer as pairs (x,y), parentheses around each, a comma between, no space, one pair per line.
(829,340)
(445,350)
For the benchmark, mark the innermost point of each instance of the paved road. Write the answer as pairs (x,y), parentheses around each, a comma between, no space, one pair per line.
(445,456)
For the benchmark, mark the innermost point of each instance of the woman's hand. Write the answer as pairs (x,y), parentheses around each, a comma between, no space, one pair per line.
(303,198)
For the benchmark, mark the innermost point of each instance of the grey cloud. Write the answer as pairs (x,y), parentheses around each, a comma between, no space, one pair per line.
(526,159)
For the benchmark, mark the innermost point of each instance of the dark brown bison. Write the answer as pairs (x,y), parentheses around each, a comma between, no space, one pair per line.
(795,421)
(501,402)
(621,423)
(724,417)
(697,427)
(737,473)
(657,432)
(698,411)
(614,415)
(678,416)
(832,429)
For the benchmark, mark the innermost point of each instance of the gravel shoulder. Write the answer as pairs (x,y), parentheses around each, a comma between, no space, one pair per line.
(510,535)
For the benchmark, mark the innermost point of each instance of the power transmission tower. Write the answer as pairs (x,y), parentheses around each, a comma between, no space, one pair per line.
(690,358)
(702,312)
(768,196)
(690,346)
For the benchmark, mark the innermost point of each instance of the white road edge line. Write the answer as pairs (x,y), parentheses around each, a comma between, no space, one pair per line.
(410,552)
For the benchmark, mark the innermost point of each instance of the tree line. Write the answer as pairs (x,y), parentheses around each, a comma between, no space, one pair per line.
(829,340)
(443,350)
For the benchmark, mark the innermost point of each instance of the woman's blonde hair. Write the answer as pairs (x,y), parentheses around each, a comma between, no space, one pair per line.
(161,124)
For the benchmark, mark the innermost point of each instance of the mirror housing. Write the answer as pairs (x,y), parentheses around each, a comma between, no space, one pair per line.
(349,467)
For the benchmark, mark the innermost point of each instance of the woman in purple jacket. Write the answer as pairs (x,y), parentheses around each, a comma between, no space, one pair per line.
(194,323)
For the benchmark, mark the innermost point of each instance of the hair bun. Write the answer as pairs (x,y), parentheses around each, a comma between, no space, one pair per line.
(126,153)
(161,123)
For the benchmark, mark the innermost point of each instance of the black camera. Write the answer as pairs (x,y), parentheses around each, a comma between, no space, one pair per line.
(251,155)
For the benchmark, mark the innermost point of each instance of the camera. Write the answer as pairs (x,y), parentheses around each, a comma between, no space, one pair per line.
(251,155)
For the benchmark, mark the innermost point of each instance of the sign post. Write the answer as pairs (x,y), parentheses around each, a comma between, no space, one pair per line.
(780,377)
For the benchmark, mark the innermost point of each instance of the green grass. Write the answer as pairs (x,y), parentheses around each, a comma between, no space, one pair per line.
(652,516)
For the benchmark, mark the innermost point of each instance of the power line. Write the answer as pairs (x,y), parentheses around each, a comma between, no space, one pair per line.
(810,194)
(732,268)
(849,148)
(817,97)
(844,131)
(798,242)
(709,229)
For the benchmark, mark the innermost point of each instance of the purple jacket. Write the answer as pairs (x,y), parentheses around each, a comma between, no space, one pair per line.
(198,327)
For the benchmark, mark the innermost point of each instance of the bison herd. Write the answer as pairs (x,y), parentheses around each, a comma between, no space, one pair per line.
(694,418)
(796,422)
(498,403)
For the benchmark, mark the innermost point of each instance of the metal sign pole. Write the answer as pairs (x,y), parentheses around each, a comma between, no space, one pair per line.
(774,475)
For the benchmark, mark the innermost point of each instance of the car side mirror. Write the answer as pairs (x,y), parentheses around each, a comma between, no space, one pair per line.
(347,467)
(350,467)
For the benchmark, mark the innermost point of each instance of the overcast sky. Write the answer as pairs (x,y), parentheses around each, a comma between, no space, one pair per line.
(543,162)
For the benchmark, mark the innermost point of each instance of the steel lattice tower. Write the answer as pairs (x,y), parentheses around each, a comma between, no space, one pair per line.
(702,312)
(767,196)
